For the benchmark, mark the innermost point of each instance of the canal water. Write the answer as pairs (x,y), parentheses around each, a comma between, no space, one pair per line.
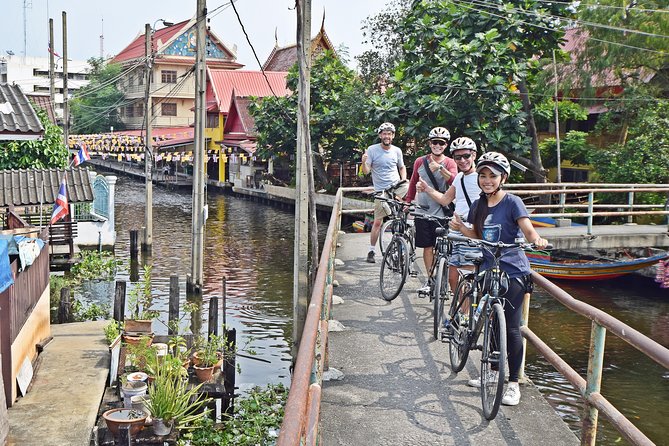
(251,245)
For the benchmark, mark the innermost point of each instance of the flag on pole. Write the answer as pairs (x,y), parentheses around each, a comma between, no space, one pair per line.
(60,209)
(82,155)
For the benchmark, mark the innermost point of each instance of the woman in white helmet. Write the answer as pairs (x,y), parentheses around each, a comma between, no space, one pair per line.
(498,216)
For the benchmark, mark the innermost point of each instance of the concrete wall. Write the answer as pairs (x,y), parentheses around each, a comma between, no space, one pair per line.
(36,329)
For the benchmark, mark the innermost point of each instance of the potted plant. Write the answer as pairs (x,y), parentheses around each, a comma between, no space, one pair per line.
(140,300)
(115,418)
(171,402)
(208,356)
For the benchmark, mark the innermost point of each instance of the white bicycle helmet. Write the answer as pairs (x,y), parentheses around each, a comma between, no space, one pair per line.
(386,126)
(463,143)
(494,161)
(439,133)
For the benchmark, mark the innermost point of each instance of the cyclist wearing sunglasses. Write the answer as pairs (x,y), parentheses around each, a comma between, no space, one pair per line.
(465,189)
(439,170)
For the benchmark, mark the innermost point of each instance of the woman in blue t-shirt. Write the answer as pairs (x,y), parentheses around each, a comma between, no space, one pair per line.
(498,216)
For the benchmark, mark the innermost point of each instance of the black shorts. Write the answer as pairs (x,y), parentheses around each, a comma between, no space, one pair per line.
(426,236)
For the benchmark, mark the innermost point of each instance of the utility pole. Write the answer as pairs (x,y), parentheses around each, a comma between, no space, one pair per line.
(557,124)
(66,106)
(197,241)
(147,243)
(301,243)
(52,69)
(102,40)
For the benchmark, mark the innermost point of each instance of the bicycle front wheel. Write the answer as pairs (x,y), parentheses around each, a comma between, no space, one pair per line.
(458,331)
(439,293)
(394,268)
(493,359)
(386,235)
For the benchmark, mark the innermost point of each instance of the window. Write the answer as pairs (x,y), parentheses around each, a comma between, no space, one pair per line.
(212,120)
(169,109)
(131,80)
(574,175)
(168,77)
(130,111)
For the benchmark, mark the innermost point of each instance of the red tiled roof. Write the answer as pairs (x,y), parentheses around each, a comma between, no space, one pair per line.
(283,58)
(137,47)
(161,132)
(244,83)
(43,102)
(239,124)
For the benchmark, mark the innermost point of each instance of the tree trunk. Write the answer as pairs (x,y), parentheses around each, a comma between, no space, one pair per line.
(535,156)
(321,171)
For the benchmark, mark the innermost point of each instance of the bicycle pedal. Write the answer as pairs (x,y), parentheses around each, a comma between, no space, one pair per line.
(413,273)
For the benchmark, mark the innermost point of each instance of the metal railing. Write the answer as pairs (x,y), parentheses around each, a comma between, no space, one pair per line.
(302,414)
(591,207)
(589,388)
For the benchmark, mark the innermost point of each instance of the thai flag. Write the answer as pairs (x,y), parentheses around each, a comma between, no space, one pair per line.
(60,209)
(82,155)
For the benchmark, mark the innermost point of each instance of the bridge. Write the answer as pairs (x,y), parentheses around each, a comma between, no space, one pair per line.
(397,387)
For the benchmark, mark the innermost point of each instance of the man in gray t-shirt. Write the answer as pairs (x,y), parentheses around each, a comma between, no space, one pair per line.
(386,164)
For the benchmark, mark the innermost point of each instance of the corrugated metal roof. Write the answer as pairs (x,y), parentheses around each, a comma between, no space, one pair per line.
(17,116)
(245,83)
(23,187)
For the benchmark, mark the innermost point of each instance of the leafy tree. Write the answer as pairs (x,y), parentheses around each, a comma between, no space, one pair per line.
(382,32)
(644,158)
(45,153)
(468,67)
(338,116)
(573,147)
(544,112)
(95,107)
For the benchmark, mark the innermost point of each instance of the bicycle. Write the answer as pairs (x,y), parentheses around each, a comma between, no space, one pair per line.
(386,234)
(478,307)
(438,274)
(400,254)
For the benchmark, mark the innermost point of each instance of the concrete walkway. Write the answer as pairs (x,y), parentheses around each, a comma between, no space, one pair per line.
(398,388)
(61,407)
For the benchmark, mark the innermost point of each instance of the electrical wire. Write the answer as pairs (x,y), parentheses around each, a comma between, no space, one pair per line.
(577,4)
(466,4)
(485,3)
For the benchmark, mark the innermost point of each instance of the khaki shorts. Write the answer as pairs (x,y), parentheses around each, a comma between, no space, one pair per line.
(381,211)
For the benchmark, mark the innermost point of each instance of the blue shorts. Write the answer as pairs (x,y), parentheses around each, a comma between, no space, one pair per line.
(457,257)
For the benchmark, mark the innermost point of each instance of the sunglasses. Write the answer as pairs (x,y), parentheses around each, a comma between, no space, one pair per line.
(466,156)
(438,142)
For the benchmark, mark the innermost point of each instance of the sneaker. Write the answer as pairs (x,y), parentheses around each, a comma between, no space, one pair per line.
(512,395)
(370,257)
(492,378)
(424,290)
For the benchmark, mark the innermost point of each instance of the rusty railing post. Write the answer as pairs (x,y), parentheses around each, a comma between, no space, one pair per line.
(593,383)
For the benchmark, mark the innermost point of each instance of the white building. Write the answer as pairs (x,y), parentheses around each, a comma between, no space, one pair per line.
(32,74)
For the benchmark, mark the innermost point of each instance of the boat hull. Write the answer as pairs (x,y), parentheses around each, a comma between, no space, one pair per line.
(592,271)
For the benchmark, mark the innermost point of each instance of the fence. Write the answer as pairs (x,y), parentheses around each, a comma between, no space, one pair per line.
(592,208)
(301,421)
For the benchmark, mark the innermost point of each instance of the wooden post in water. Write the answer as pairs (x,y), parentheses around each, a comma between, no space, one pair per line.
(212,329)
(65,307)
(173,317)
(119,301)
(229,370)
(134,243)
(225,298)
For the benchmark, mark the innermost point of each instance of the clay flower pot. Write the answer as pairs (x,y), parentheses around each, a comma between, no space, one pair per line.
(196,360)
(115,418)
(204,374)
(137,326)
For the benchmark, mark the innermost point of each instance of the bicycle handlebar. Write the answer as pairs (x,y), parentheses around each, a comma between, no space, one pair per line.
(481,243)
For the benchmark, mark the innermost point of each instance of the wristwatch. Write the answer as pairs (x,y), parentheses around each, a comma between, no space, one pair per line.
(441,167)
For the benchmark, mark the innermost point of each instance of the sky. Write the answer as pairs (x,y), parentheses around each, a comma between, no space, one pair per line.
(125,19)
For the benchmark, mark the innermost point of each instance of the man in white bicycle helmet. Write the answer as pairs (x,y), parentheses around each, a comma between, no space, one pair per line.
(463,192)
(438,170)
(386,164)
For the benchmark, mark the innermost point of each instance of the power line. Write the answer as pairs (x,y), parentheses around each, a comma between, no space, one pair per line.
(466,3)
(596,6)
